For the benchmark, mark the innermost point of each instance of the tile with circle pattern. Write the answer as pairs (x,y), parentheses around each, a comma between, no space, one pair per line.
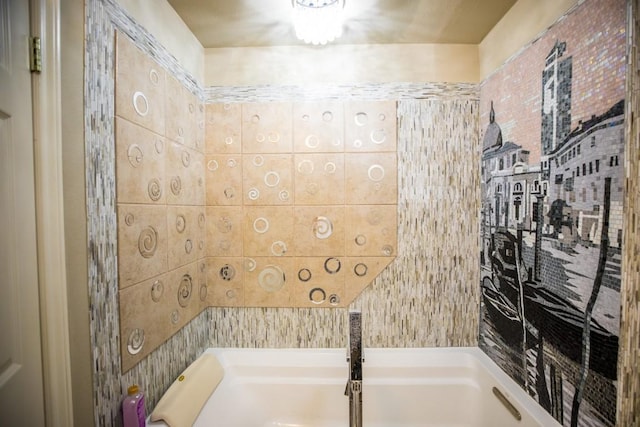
(267,179)
(371,230)
(225,276)
(140,160)
(180,108)
(319,282)
(318,127)
(268,231)
(224,231)
(266,127)
(142,242)
(184,170)
(139,87)
(223,128)
(370,126)
(371,178)
(145,307)
(270,283)
(319,179)
(186,227)
(318,230)
(223,175)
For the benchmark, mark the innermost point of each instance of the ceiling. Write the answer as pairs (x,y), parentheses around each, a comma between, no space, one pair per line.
(243,23)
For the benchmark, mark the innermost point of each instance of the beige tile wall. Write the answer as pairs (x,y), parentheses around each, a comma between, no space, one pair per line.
(262,204)
(290,187)
(160,203)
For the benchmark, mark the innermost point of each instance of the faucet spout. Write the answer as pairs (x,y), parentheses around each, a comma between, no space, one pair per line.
(355,360)
(355,346)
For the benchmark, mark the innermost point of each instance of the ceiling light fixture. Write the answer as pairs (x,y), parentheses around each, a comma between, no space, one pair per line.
(317,21)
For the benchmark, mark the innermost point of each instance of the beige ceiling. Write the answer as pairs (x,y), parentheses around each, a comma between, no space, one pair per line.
(241,23)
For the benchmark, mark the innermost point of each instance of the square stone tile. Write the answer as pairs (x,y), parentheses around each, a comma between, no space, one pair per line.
(223,128)
(267,179)
(319,179)
(186,227)
(267,127)
(268,231)
(139,86)
(319,231)
(318,127)
(142,243)
(139,164)
(319,281)
(185,176)
(371,230)
(371,178)
(184,115)
(270,283)
(225,278)
(370,126)
(144,318)
(223,179)
(224,231)
(185,285)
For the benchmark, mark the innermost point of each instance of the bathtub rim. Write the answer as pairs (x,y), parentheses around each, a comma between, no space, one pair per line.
(470,357)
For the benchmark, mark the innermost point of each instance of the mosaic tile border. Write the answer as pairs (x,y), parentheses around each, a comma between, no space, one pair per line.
(628,399)
(148,43)
(370,92)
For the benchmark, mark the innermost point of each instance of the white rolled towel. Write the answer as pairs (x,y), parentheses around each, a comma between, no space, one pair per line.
(183,401)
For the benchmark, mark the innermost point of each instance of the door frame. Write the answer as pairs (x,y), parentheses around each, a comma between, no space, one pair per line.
(48,169)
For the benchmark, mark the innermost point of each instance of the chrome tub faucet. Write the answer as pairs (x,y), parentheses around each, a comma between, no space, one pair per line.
(355,359)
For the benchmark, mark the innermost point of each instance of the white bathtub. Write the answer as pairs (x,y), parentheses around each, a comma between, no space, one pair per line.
(401,388)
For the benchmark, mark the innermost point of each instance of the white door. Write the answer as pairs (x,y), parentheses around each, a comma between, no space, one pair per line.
(21,389)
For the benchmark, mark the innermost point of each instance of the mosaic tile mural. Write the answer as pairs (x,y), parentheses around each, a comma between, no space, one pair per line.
(552,206)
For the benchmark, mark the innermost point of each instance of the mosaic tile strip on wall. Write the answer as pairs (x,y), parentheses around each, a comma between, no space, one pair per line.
(629,359)
(552,195)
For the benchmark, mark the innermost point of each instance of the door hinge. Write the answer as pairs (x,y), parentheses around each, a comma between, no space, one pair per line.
(36,55)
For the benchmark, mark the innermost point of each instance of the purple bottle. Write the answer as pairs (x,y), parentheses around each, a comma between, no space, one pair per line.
(133,414)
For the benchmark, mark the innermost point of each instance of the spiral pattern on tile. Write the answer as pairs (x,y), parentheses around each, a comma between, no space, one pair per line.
(176,185)
(148,242)
(181,223)
(271,278)
(157,289)
(227,272)
(184,290)
(135,341)
(154,189)
(322,227)
(135,155)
